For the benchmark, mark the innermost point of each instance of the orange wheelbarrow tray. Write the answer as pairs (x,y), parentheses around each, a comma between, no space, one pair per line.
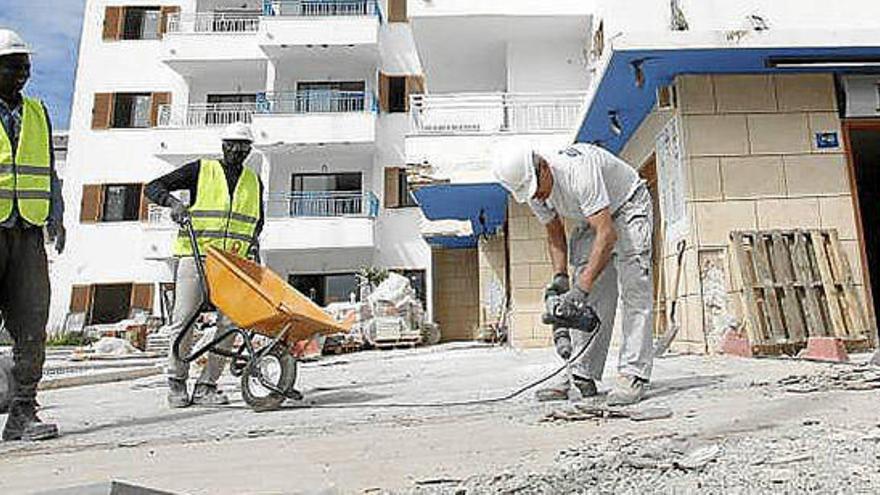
(258,302)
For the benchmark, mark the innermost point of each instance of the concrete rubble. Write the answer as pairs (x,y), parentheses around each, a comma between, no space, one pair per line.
(709,424)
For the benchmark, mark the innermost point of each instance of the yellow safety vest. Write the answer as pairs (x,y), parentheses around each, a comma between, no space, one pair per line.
(217,221)
(25,175)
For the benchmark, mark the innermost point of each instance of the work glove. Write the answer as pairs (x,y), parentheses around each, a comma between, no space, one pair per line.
(254,254)
(179,211)
(572,311)
(57,235)
(558,286)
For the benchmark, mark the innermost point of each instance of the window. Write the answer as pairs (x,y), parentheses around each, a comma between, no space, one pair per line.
(397,191)
(141,23)
(348,182)
(325,289)
(326,195)
(110,303)
(129,110)
(395,90)
(132,110)
(113,203)
(122,203)
(224,109)
(397,94)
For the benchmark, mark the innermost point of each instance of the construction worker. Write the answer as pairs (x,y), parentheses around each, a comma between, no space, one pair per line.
(30,199)
(609,252)
(226,212)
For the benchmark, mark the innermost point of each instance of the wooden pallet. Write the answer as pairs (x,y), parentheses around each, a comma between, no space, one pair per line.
(796,284)
(400,343)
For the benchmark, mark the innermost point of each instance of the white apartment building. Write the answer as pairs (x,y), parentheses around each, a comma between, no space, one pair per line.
(324,85)
(341,95)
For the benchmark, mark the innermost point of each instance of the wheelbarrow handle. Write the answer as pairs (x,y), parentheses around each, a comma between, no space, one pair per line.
(197,259)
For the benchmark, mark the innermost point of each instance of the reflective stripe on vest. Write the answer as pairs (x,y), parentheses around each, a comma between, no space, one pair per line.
(217,221)
(25,175)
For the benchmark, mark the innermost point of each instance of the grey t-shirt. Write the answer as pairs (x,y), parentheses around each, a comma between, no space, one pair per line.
(586,179)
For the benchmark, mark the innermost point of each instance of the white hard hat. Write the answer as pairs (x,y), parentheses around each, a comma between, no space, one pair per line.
(514,168)
(11,43)
(237,132)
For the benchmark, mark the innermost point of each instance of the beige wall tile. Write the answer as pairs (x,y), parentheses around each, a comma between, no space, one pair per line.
(528,299)
(738,93)
(518,228)
(838,213)
(716,220)
(813,92)
(536,229)
(779,133)
(696,94)
(825,122)
(816,174)
(788,213)
(705,178)
(716,135)
(752,177)
(540,274)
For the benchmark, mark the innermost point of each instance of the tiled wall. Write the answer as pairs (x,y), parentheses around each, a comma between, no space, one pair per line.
(752,162)
(530,271)
(456,290)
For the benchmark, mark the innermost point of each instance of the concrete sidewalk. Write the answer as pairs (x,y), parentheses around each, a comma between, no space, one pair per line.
(124,431)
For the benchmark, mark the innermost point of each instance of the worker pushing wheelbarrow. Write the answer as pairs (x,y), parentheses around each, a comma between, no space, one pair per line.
(259,303)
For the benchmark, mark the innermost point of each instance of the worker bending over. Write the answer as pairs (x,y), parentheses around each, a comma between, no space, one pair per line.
(609,252)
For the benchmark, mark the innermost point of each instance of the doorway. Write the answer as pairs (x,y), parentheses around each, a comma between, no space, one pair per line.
(863,148)
(110,303)
(648,172)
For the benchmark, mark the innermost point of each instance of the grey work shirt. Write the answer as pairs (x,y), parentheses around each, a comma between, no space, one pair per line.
(586,179)
(10,119)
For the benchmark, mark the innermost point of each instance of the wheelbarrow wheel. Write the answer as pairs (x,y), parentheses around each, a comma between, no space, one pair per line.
(278,368)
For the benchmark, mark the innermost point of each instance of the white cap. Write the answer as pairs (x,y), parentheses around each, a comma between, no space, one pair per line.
(514,168)
(237,132)
(11,43)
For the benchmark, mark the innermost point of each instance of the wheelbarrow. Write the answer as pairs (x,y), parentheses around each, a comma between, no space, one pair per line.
(259,303)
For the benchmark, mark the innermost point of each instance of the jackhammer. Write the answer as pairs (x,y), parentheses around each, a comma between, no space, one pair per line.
(565,318)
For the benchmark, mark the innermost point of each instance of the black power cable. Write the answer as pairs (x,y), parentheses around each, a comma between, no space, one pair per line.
(475,402)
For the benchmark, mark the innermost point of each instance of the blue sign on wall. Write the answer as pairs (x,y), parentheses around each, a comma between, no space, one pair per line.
(827,140)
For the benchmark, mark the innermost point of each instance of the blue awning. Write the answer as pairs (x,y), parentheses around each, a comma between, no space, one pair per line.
(484,205)
(618,92)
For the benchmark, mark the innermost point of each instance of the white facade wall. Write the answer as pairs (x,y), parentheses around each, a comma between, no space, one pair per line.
(114,252)
(725,15)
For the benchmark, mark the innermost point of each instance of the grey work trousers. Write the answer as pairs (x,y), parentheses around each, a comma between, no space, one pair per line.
(188,300)
(24,302)
(628,276)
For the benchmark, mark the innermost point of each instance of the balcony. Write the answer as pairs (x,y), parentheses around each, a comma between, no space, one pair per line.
(205,114)
(297,27)
(206,43)
(314,117)
(325,204)
(453,137)
(495,113)
(320,220)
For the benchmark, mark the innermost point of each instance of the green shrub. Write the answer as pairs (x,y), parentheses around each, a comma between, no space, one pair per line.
(68,339)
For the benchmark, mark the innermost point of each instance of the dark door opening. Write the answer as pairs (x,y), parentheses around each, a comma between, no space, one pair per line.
(864,149)
(111,303)
(648,172)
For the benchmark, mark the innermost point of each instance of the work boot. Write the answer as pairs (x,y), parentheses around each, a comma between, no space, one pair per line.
(559,390)
(629,390)
(209,395)
(178,396)
(23,423)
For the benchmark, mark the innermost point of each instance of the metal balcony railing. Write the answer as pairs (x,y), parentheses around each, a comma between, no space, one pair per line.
(206,114)
(315,102)
(328,204)
(214,22)
(495,113)
(159,218)
(321,8)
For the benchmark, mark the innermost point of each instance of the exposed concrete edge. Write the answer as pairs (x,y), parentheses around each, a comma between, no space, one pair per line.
(98,378)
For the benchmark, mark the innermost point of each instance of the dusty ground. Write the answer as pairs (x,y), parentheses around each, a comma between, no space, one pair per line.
(738,426)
